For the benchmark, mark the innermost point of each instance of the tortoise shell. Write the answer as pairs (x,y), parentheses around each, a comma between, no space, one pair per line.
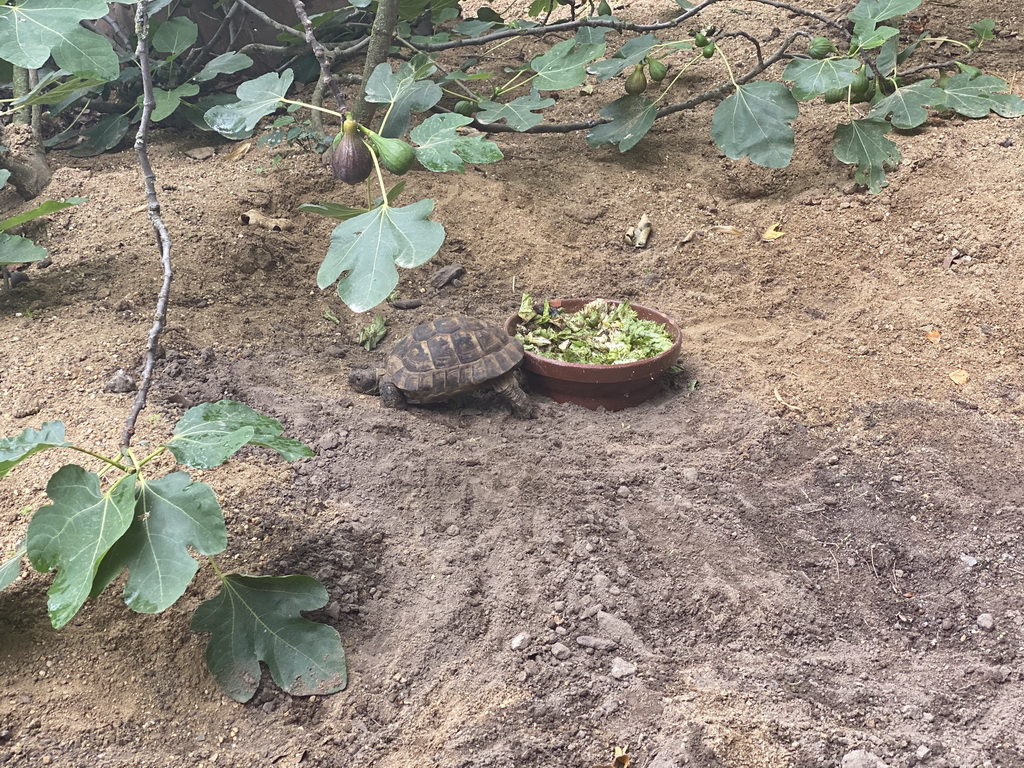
(450,356)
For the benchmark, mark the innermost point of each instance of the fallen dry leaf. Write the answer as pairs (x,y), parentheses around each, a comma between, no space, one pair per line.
(240,151)
(959,376)
(934,336)
(727,229)
(773,232)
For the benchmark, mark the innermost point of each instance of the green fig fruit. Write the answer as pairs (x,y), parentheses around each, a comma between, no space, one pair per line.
(860,84)
(395,155)
(834,95)
(700,39)
(351,160)
(603,9)
(820,47)
(636,83)
(709,50)
(657,70)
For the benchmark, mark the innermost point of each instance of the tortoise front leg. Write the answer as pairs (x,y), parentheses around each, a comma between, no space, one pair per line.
(391,396)
(508,387)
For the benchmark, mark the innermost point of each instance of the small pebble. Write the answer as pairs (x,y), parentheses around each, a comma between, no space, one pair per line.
(560,651)
(597,643)
(928,717)
(520,641)
(623,492)
(969,561)
(120,383)
(601,581)
(986,621)
(922,752)
(621,669)
(861,758)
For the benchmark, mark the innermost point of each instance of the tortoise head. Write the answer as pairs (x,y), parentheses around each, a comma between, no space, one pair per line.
(365,380)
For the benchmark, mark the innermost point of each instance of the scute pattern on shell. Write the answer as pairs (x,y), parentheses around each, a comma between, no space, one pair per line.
(450,356)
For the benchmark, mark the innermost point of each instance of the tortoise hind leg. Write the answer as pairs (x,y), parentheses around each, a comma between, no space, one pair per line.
(508,387)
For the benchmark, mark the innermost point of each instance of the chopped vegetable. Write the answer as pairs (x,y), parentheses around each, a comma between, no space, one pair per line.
(602,333)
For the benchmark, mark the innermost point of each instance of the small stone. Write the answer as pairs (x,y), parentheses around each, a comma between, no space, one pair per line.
(120,383)
(622,669)
(623,492)
(969,561)
(597,643)
(986,621)
(446,275)
(928,717)
(201,153)
(520,641)
(452,530)
(560,651)
(861,758)
(601,581)
(922,752)
(617,629)
(690,474)
(328,441)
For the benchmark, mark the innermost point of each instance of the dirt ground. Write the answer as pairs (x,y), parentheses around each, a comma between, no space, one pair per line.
(810,544)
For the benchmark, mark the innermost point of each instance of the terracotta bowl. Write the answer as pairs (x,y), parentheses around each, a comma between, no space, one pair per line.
(612,387)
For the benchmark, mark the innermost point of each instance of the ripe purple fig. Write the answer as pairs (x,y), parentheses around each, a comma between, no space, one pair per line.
(351,160)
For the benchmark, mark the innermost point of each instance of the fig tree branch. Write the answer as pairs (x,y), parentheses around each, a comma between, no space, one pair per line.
(163,238)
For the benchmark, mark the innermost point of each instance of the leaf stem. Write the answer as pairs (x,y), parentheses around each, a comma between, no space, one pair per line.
(311,106)
(112,462)
(679,74)
(380,180)
(728,66)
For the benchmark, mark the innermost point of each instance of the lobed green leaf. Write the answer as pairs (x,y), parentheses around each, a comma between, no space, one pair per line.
(811,77)
(209,434)
(975,95)
(106,134)
(368,247)
(441,148)
(629,55)
(907,104)
(754,122)
(9,571)
(74,533)
(863,143)
(256,99)
(14,450)
(257,618)
(520,114)
(406,90)
(172,514)
(33,30)
(631,118)
(225,64)
(175,35)
(564,65)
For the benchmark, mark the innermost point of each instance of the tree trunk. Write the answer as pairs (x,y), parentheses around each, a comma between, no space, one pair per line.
(25,159)
(381,32)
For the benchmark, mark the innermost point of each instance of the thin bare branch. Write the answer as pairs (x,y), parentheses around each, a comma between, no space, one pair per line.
(713,94)
(322,56)
(195,58)
(163,238)
(282,28)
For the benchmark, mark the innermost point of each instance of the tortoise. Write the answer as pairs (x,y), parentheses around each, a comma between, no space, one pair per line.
(446,357)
